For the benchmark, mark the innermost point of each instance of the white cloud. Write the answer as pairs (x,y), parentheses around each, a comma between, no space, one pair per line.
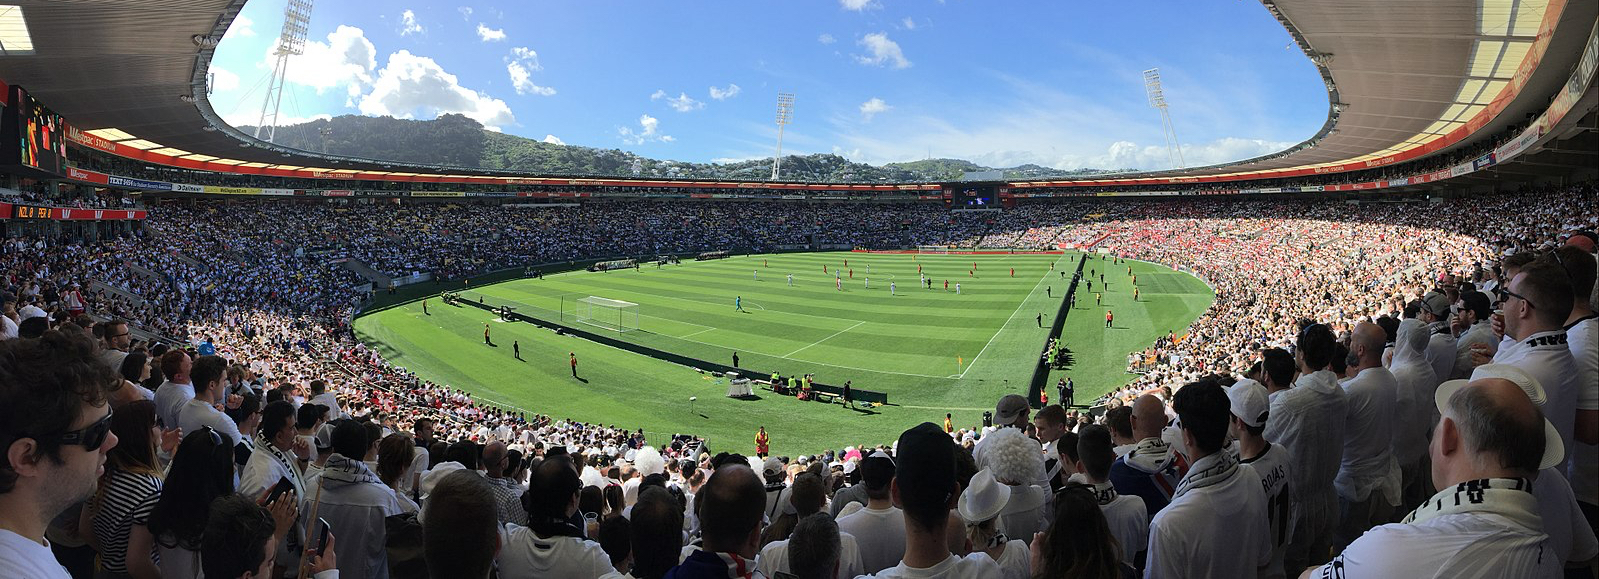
(1127,154)
(412,86)
(520,65)
(345,59)
(242,27)
(723,94)
(223,80)
(553,140)
(649,130)
(409,25)
(466,12)
(908,23)
(826,38)
(489,34)
(851,154)
(871,107)
(681,103)
(882,51)
(858,5)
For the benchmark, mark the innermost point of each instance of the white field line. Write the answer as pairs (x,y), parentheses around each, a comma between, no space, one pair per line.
(857,324)
(1013,313)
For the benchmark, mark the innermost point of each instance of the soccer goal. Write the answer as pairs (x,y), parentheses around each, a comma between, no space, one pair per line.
(933,249)
(614,315)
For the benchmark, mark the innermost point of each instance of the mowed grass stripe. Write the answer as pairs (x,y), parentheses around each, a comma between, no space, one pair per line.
(635,391)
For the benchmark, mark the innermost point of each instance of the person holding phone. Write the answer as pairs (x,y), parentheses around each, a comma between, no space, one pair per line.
(241,541)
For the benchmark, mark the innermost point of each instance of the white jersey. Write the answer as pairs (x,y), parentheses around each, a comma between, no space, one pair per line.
(1548,359)
(1476,529)
(1583,339)
(1368,433)
(1273,466)
(881,535)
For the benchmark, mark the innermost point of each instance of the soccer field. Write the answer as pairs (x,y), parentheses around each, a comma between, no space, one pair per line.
(931,350)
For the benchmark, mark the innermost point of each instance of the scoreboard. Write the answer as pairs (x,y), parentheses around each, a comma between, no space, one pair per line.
(975,197)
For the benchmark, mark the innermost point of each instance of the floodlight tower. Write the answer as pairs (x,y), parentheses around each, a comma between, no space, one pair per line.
(785,113)
(1157,99)
(291,42)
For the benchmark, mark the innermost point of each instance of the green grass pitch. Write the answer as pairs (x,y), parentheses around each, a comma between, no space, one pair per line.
(931,350)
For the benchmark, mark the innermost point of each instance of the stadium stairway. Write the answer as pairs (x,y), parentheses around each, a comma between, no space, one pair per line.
(98,286)
(366,272)
(197,264)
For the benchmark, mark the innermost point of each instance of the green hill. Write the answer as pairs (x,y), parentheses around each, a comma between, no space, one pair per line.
(457,141)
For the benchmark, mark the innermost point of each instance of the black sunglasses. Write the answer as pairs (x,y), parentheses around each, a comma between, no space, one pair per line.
(1503,292)
(90,437)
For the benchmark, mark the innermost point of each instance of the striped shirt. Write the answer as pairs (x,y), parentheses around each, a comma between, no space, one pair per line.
(127,501)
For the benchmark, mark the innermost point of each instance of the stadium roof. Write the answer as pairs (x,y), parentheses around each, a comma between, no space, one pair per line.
(1401,74)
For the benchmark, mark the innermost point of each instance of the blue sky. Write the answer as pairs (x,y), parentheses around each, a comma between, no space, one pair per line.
(997,82)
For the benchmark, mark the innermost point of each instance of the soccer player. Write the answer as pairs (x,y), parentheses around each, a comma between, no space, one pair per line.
(738,303)
(957,289)
(791,280)
(852,273)
(868,269)
(1097,301)
(1135,294)
(868,283)
(1013,272)
(890,288)
(1048,292)
(824,268)
(756,274)
(1040,319)
(1108,318)
(763,263)
(946,285)
(838,281)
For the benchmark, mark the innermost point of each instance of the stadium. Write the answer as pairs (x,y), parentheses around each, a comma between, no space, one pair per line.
(660,323)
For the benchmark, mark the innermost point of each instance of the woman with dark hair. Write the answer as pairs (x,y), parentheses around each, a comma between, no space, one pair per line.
(201,471)
(395,454)
(614,501)
(135,369)
(1079,544)
(129,491)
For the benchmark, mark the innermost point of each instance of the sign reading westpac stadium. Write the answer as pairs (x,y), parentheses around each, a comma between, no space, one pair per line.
(216,190)
(138,183)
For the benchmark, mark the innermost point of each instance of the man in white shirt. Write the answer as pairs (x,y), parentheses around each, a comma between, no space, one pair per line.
(1441,346)
(880,528)
(355,503)
(1484,522)
(117,340)
(177,390)
(1216,525)
(1413,411)
(1582,337)
(1124,514)
(1536,303)
(1250,409)
(1308,420)
(200,411)
(1472,321)
(1364,498)
(55,440)
(808,497)
(925,487)
(320,395)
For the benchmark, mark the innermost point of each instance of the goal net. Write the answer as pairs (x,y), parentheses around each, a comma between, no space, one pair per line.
(933,249)
(614,315)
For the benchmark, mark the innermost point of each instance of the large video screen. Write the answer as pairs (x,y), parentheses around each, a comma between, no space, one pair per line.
(36,136)
(974,197)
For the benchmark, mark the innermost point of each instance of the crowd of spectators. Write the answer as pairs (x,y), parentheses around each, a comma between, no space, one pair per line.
(271,390)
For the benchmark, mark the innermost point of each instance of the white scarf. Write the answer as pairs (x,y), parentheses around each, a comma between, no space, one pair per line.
(1507,497)
(1150,455)
(289,463)
(349,470)
(1213,469)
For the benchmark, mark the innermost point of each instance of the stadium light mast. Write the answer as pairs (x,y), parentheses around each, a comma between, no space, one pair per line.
(291,42)
(1157,99)
(785,113)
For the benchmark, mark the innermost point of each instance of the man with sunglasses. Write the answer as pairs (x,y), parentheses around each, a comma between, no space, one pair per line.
(1536,303)
(116,339)
(55,433)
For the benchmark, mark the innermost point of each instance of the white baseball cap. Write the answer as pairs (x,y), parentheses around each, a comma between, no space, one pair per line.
(1247,400)
(984,499)
(1554,450)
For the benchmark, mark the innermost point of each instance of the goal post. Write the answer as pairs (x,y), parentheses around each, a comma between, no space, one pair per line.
(933,249)
(614,315)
